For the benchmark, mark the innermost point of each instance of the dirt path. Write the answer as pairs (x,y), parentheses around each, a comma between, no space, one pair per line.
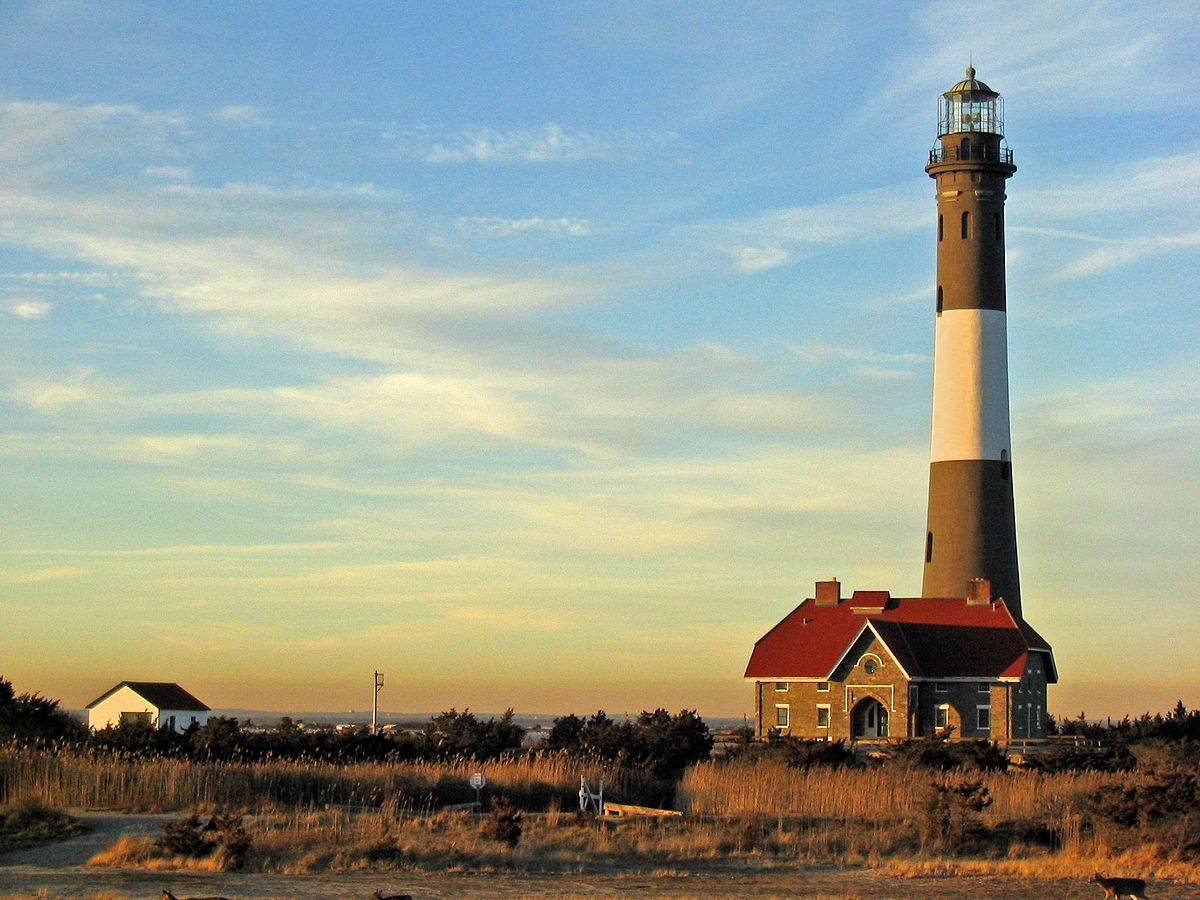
(59,870)
(103,828)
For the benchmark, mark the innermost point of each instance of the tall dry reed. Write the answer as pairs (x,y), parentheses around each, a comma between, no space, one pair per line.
(115,782)
(878,793)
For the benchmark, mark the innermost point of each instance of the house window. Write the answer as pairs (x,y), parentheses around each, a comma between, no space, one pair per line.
(822,715)
(984,687)
(823,687)
(941,716)
(132,717)
(870,666)
(170,723)
(983,718)
(781,685)
(940,687)
(782,715)
(966,225)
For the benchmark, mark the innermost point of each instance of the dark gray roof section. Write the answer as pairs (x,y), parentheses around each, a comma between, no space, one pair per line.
(159,694)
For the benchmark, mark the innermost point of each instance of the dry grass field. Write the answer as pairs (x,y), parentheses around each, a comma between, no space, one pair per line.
(309,818)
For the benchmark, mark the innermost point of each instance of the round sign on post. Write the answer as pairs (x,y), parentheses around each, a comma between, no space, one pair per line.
(478,780)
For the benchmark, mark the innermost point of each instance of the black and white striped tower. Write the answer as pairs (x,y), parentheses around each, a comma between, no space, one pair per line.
(971,525)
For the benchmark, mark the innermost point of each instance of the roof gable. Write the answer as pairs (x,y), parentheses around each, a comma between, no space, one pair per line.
(878,630)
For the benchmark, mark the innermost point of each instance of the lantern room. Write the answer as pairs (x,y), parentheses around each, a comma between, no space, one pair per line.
(970,124)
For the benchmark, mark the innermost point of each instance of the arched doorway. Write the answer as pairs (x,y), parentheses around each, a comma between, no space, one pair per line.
(870,719)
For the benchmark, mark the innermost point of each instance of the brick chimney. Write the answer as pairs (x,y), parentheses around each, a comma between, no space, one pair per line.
(829,593)
(979,592)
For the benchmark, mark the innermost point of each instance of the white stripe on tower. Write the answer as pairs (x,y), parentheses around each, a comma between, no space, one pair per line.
(970,386)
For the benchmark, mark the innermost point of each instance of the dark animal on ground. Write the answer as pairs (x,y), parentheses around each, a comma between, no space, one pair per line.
(1121,887)
(167,895)
(379,895)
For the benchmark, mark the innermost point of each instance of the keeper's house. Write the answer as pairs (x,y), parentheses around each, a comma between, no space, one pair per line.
(875,666)
(162,704)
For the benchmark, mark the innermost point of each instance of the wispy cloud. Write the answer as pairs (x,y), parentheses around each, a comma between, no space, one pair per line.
(759,259)
(39,576)
(549,143)
(772,238)
(500,227)
(51,396)
(242,116)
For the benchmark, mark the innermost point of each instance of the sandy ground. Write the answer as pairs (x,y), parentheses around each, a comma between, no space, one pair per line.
(59,870)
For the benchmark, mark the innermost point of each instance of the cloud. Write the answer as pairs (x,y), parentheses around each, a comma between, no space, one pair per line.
(819,353)
(31,309)
(41,575)
(759,259)
(549,143)
(169,173)
(1126,253)
(499,227)
(1133,212)
(51,137)
(770,239)
(241,116)
(53,396)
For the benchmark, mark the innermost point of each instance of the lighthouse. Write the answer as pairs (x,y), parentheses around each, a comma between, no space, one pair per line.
(971,526)
(960,659)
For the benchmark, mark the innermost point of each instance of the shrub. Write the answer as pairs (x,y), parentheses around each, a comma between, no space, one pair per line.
(32,718)
(28,822)
(1070,758)
(223,837)
(504,824)
(950,814)
(1165,809)
(945,756)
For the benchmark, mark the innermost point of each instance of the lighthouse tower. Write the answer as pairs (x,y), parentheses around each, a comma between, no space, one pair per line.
(971,529)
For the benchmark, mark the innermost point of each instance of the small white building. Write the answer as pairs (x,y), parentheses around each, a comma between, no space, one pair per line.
(162,704)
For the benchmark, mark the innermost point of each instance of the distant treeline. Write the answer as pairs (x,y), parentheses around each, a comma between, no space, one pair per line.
(1180,724)
(656,741)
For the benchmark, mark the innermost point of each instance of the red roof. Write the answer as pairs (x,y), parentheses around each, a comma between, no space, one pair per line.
(929,637)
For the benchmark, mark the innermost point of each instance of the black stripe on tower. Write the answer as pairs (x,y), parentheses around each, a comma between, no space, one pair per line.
(972,530)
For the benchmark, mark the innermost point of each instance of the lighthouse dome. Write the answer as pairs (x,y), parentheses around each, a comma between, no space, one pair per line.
(971,85)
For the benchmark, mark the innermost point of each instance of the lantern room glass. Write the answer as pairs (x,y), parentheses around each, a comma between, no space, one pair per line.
(970,111)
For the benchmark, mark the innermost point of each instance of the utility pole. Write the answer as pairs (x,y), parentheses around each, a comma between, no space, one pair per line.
(375,703)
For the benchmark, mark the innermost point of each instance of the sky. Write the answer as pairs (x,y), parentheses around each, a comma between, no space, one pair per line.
(544,355)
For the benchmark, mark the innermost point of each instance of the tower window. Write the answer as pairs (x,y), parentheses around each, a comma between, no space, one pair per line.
(964,149)
(939,300)
(940,229)
(929,547)
(996,225)
(966,225)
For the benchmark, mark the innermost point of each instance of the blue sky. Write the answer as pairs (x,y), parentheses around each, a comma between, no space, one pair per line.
(545,355)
